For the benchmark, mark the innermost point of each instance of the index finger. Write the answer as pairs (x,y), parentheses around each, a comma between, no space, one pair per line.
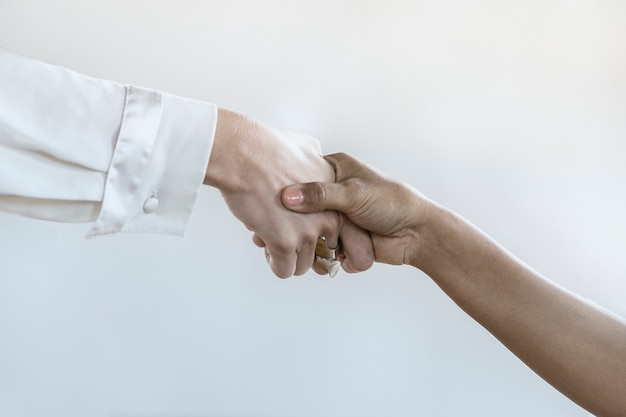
(281,260)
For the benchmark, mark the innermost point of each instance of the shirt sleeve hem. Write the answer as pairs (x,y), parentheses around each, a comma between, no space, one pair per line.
(158,165)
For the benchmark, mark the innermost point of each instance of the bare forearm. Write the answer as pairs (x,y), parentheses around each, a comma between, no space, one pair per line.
(577,347)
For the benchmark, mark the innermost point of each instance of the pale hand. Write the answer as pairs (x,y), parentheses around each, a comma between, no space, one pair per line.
(251,163)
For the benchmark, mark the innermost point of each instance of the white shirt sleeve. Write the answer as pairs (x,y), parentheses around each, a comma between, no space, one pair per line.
(78,149)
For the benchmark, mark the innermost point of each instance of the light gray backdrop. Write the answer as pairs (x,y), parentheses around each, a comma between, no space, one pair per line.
(511,113)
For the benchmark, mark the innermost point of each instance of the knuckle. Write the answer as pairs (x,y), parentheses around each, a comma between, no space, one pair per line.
(317,193)
(360,264)
(281,249)
(282,274)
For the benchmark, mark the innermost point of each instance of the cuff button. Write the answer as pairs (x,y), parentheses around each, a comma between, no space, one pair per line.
(150,205)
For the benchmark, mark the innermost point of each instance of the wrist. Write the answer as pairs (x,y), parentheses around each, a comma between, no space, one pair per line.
(429,239)
(231,132)
(449,246)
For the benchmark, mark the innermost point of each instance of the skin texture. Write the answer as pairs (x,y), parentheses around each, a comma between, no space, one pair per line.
(576,346)
(250,163)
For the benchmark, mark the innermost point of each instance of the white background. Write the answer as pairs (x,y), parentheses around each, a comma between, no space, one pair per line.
(511,113)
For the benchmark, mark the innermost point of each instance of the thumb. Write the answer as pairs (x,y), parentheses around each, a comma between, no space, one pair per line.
(313,197)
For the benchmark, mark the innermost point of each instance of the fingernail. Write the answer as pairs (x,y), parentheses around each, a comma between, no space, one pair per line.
(293,196)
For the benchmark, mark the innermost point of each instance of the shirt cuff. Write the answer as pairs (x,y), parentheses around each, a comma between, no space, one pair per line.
(158,165)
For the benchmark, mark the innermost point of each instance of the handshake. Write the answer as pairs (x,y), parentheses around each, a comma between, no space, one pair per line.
(309,211)
(291,197)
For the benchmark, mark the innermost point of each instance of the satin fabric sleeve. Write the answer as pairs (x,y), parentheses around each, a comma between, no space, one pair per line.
(78,149)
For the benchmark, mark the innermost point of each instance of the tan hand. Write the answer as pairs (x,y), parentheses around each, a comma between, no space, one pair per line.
(391,211)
